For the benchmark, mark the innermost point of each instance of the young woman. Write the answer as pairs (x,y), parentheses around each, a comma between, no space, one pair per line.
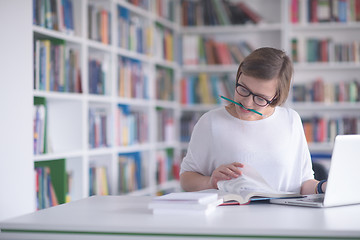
(260,133)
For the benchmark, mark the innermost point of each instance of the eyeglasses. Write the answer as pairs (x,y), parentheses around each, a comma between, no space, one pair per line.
(258,100)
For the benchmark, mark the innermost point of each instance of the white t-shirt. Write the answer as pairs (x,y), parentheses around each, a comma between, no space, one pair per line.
(275,146)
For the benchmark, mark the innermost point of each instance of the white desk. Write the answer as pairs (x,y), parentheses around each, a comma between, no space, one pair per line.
(120,217)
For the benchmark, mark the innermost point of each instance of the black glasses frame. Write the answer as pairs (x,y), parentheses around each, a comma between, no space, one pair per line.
(251,93)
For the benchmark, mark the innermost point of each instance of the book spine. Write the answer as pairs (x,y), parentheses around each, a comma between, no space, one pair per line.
(130,172)
(325,129)
(323,91)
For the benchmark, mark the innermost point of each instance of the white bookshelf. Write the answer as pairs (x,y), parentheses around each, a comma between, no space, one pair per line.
(68,113)
(331,72)
(276,30)
(271,31)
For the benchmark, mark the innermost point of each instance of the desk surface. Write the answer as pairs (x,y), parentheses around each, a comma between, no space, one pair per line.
(124,217)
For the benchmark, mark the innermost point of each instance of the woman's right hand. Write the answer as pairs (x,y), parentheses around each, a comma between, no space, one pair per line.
(225,172)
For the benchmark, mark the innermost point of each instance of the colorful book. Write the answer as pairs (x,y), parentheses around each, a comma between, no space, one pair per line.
(51,182)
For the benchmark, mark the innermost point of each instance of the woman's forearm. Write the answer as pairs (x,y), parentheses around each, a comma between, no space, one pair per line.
(193,181)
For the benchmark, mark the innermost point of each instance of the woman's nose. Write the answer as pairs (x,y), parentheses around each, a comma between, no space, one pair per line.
(248,101)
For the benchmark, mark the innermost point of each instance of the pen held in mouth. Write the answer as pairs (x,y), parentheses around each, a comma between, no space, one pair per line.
(249,109)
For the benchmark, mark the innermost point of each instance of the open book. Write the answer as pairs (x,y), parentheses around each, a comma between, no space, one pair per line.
(248,187)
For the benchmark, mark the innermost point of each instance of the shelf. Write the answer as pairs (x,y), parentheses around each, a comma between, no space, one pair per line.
(133,148)
(101,151)
(199,107)
(316,106)
(321,147)
(166,23)
(52,156)
(99,98)
(166,104)
(133,55)
(210,68)
(166,63)
(59,95)
(203,30)
(184,145)
(56,34)
(99,45)
(168,144)
(138,10)
(134,101)
(326,26)
(327,66)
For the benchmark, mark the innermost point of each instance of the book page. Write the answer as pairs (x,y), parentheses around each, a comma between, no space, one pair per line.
(249,184)
(249,181)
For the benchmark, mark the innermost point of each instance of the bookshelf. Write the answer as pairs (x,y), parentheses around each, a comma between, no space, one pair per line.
(330,29)
(97,70)
(279,30)
(247,35)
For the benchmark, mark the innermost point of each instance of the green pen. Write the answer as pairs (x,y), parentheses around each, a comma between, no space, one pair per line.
(249,109)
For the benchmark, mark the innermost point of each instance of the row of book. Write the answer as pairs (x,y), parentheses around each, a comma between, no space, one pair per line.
(144,4)
(133,168)
(131,172)
(134,33)
(99,183)
(39,125)
(54,14)
(165,125)
(56,66)
(99,135)
(164,43)
(325,129)
(217,12)
(324,50)
(132,80)
(314,11)
(206,89)
(45,192)
(99,24)
(162,8)
(167,167)
(187,123)
(52,183)
(133,126)
(98,75)
(42,140)
(205,51)
(165,9)
(321,91)
(164,86)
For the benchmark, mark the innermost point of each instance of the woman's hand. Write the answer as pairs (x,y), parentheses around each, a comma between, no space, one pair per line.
(225,172)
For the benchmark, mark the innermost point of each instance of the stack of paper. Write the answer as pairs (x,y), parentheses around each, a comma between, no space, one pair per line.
(185,203)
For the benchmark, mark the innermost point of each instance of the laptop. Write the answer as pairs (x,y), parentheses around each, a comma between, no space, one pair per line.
(343,180)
